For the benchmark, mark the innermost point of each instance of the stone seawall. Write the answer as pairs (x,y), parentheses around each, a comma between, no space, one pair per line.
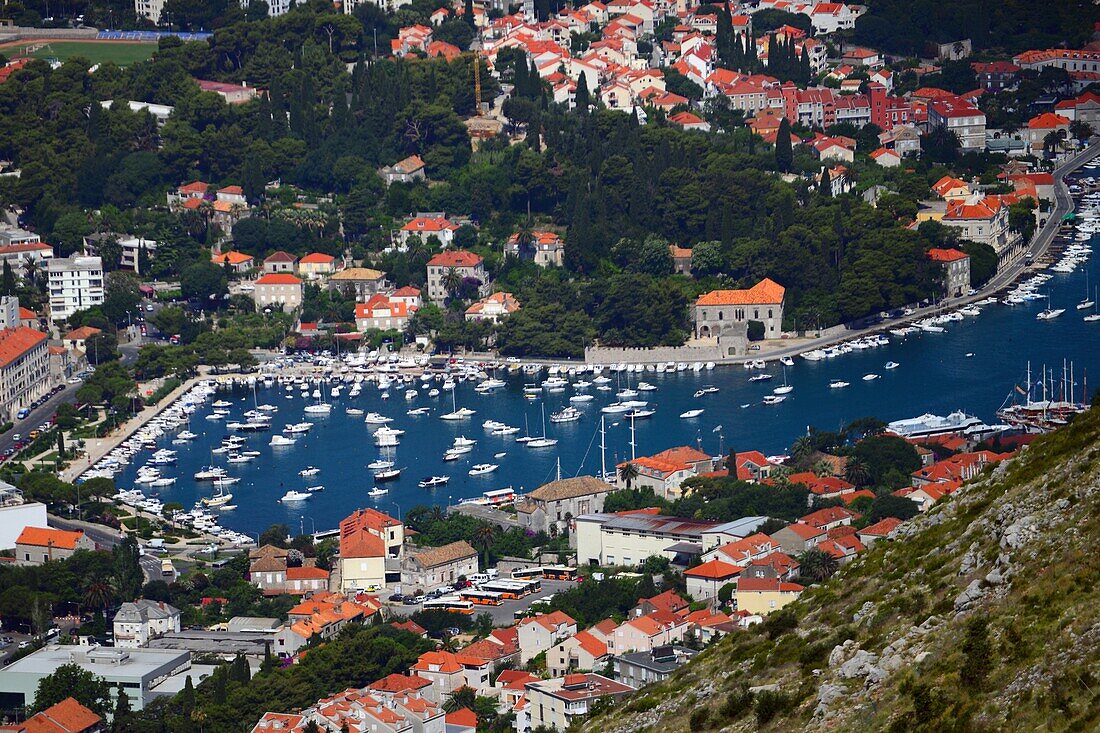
(689,354)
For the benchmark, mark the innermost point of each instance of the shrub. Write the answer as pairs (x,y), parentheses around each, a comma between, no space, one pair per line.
(737,703)
(700,720)
(770,704)
(779,623)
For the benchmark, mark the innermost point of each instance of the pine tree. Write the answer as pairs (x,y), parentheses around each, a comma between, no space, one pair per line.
(581,98)
(784,153)
(123,719)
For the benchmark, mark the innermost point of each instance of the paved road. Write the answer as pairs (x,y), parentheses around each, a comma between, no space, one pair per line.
(44,412)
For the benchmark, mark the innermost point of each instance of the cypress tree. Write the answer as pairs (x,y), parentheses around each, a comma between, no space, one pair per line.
(804,66)
(581,98)
(784,153)
(751,60)
(825,188)
(773,56)
(468,13)
(7,281)
(123,719)
(534,83)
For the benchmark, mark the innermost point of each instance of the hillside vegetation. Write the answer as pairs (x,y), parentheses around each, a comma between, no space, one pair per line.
(981,616)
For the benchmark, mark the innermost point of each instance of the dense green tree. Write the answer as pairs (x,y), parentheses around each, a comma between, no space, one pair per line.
(71,680)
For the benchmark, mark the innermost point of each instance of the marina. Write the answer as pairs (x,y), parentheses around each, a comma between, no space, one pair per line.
(271,435)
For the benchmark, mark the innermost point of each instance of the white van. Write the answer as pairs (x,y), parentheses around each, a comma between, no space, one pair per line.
(478,578)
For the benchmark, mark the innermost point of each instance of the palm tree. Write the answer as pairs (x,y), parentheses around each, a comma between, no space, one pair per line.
(857,471)
(463,697)
(627,473)
(1053,142)
(99,594)
(484,538)
(823,468)
(817,565)
(452,281)
(802,448)
(435,514)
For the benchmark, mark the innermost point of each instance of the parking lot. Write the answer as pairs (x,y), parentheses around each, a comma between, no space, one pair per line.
(503,615)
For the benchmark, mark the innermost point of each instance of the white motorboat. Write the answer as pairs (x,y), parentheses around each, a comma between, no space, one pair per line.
(783,389)
(639,414)
(786,361)
(581,398)
(375,418)
(506,430)
(223,403)
(187,435)
(773,399)
(320,408)
(646,387)
(227,481)
(700,393)
(380,465)
(279,440)
(452,455)
(298,427)
(892,365)
(309,471)
(568,414)
(377,492)
(760,377)
(460,449)
(353,411)
(387,475)
(870,377)
(464,441)
(315,488)
(163,481)
(837,384)
(614,408)
(481,469)
(1048,314)
(418,411)
(293,496)
(499,455)
(433,481)
(690,414)
(411,394)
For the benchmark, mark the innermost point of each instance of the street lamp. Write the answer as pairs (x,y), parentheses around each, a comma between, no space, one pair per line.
(398,508)
(302,524)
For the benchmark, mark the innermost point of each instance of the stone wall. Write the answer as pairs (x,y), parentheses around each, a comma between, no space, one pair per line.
(688,354)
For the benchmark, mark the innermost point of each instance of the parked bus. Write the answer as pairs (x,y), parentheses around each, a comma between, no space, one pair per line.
(481,597)
(513,589)
(166,568)
(527,573)
(449,603)
(559,572)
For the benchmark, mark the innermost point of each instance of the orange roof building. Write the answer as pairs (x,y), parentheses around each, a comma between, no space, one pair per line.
(37,545)
(718,311)
(67,716)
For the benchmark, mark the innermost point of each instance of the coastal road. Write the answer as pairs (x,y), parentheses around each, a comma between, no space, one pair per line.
(44,412)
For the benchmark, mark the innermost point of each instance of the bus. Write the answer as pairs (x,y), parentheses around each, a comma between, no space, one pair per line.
(527,573)
(559,572)
(449,603)
(545,572)
(481,597)
(513,589)
(166,568)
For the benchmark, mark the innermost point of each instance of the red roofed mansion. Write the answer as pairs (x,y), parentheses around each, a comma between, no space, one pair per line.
(719,310)
(24,369)
(956,265)
(464,264)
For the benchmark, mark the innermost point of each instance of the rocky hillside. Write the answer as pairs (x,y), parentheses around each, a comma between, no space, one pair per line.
(983,615)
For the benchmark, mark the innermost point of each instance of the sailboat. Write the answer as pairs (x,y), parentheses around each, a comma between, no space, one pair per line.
(318,408)
(456,413)
(783,388)
(542,442)
(1049,313)
(1086,303)
(1094,316)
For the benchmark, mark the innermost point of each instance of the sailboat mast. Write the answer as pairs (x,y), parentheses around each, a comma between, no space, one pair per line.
(603,449)
(633,442)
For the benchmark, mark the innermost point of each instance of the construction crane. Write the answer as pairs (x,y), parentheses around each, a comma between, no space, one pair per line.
(477,72)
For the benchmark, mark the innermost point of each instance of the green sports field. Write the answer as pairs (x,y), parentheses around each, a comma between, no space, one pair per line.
(97,52)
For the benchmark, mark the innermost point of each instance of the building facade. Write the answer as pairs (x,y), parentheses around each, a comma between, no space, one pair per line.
(956,270)
(465,265)
(24,369)
(138,622)
(75,284)
(278,290)
(438,566)
(718,310)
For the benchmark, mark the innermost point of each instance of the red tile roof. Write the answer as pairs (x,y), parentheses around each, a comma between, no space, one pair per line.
(67,716)
(764,585)
(939,254)
(455,258)
(233,258)
(828,515)
(279,278)
(429,224)
(1047,121)
(882,528)
(765,292)
(44,537)
(713,570)
(15,342)
(280,256)
(317,258)
(304,573)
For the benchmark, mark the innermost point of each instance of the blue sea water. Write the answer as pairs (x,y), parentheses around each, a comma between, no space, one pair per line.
(935,375)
